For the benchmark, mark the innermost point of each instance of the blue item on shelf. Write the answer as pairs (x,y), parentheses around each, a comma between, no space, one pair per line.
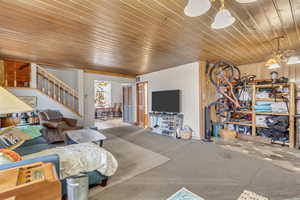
(216,128)
(262,108)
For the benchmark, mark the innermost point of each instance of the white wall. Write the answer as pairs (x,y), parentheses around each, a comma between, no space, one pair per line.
(80,89)
(186,79)
(89,101)
(116,92)
(44,102)
(69,76)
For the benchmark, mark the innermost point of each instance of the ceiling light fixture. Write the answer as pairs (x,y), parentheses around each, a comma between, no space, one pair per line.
(277,56)
(274,66)
(223,18)
(196,8)
(245,1)
(280,56)
(293,60)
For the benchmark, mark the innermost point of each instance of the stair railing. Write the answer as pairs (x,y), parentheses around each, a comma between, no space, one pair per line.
(57,89)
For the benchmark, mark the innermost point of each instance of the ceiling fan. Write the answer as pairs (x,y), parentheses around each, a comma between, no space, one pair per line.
(222,19)
(280,56)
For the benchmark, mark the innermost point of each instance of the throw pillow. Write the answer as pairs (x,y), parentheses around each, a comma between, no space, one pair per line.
(53,114)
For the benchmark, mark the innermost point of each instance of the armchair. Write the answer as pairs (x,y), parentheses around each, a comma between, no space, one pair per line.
(54,125)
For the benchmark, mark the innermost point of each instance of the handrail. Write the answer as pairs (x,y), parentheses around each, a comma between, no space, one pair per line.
(57,89)
(50,76)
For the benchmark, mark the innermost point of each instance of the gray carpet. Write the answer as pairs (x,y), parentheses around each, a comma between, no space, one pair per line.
(132,160)
(205,169)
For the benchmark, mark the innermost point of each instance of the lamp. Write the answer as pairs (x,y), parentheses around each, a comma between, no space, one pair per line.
(293,60)
(223,18)
(274,66)
(9,103)
(196,8)
(273,63)
(245,1)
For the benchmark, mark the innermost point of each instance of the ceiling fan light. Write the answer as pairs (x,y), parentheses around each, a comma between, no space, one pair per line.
(293,60)
(196,8)
(245,1)
(274,66)
(223,19)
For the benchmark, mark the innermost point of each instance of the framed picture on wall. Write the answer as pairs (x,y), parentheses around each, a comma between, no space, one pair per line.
(30,100)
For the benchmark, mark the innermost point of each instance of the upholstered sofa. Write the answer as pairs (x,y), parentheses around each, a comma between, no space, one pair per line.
(39,144)
(55,124)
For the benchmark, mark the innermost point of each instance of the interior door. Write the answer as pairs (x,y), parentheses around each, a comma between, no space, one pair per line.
(2,76)
(142,104)
(127,104)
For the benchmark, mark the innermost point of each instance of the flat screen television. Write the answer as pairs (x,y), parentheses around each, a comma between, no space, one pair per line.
(166,101)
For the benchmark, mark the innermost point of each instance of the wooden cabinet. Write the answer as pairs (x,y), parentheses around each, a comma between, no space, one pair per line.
(16,74)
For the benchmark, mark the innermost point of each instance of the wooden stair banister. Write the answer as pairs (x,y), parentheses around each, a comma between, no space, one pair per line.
(57,89)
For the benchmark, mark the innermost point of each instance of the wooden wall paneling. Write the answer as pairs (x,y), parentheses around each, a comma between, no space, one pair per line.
(207,96)
(202,79)
(17,74)
(290,71)
(208,93)
(2,73)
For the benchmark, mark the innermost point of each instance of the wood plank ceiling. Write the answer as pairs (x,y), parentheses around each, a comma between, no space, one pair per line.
(140,36)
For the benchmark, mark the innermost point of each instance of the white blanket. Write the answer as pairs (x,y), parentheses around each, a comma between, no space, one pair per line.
(82,157)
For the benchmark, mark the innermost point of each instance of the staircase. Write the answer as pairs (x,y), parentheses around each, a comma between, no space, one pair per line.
(57,89)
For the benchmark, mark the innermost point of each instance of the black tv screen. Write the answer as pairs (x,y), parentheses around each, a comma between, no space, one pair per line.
(166,101)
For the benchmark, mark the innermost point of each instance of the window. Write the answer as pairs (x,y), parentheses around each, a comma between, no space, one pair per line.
(102,94)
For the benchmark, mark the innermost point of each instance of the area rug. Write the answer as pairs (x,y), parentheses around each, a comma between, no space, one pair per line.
(132,159)
(248,195)
(184,194)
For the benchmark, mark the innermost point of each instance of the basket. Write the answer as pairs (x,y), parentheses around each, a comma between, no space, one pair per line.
(187,135)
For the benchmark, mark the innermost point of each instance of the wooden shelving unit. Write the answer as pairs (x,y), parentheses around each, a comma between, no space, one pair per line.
(291,114)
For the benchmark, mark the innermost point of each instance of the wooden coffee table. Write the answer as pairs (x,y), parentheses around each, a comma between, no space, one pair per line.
(84,135)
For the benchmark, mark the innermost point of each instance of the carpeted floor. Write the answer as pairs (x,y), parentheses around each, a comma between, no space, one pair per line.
(132,160)
(110,123)
(205,169)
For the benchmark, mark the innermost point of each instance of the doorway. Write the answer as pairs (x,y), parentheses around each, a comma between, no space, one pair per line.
(128,104)
(142,104)
(108,104)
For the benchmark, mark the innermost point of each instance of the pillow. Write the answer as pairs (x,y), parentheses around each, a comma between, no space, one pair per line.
(53,114)
(52,124)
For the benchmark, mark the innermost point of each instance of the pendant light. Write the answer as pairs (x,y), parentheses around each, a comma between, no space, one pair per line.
(274,66)
(245,1)
(196,8)
(278,56)
(293,60)
(273,63)
(223,18)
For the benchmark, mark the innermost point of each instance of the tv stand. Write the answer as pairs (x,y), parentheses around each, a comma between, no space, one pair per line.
(166,123)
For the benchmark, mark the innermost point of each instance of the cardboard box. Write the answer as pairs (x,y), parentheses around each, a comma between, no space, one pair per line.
(227,134)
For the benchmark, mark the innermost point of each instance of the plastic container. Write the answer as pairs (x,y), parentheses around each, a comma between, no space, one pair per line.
(78,187)
(216,128)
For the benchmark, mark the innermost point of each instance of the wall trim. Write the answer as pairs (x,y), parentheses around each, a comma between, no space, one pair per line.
(72,67)
(109,73)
